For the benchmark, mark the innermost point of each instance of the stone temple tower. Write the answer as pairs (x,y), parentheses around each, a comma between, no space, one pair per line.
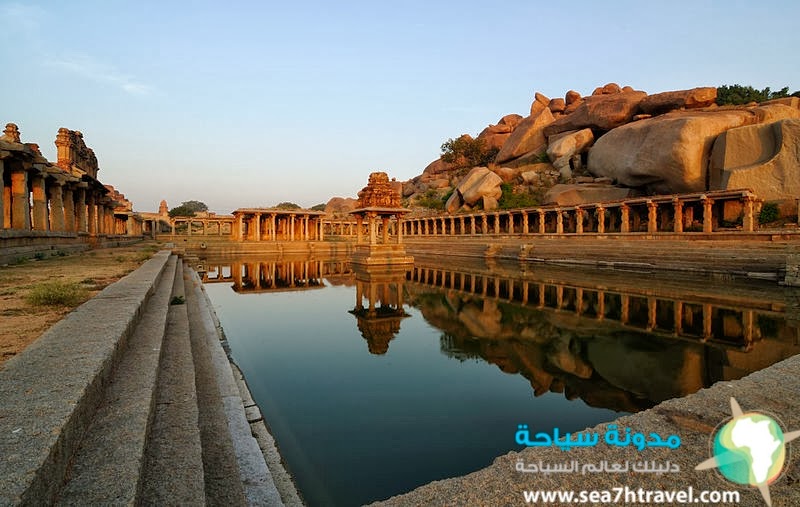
(163,209)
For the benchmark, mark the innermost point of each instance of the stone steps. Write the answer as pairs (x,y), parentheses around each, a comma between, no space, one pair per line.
(107,467)
(130,400)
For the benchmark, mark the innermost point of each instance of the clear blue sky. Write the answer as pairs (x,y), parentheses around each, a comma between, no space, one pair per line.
(252,103)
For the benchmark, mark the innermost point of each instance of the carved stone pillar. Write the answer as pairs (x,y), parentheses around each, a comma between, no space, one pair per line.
(748,215)
(484,224)
(3,213)
(57,207)
(677,222)
(20,204)
(542,221)
(497,223)
(472,226)
(525,223)
(559,222)
(708,219)
(578,220)
(652,217)
(39,203)
(600,214)
(385,227)
(625,221)
(91,212)
(69,209)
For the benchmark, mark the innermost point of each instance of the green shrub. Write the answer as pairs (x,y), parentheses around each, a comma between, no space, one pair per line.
(510,200)
(769,213)
(177,300)
(431,199)
(57,293)
(39,256)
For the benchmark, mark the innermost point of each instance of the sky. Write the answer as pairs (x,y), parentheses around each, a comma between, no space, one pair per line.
(244,104)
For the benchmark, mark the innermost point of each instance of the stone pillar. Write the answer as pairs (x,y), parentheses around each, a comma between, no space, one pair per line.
(257,228)
(359,229)
(385,224)
(111,221)
(484,224)
(525,222)
(748,215)
(452,226)
(237,227)
(542,222)
(292,219)
(400,230)
(600,214)
(205,227)
(5,209)
(81,212)
(473,229)
(3,212)
(57,207)
(69,209)
(708,223)
(39,203)
(625,303)
(677,222)
(497,223)
(463,230)
(625,220)
(91,212)
(559,222)
(373,229)
(678,318)
(601,305)
(652,217)
(652,313)
(20,204)
(578,220)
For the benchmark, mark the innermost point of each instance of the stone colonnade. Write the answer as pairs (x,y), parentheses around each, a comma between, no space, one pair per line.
(44,198)
(666,316)
(266,224)
(260,276)
(677,214)
(217,226)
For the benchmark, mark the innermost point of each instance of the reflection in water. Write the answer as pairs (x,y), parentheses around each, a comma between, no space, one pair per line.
(567,339)
(379,321)
(623,349)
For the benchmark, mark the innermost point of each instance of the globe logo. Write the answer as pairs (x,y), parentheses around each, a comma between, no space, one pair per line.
(750,449)
(753,449)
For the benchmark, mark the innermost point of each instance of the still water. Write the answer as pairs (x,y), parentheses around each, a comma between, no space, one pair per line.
(373,383)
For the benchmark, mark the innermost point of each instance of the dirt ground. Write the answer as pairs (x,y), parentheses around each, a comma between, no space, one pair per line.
(21,322)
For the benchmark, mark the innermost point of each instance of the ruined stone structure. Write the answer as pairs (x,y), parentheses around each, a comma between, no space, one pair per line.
(272,224)
(65,200)
(379,203)
(677,214)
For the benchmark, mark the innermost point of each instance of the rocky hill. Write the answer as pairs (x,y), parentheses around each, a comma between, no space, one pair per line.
(620,142)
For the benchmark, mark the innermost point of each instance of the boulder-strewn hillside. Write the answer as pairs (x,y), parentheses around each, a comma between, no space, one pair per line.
(620,142)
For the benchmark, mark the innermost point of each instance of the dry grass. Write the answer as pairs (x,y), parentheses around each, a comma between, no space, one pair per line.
(36,294)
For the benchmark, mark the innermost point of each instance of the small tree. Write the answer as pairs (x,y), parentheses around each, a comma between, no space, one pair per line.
(287,205)
(467,152)
(318,207)
(188,209)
